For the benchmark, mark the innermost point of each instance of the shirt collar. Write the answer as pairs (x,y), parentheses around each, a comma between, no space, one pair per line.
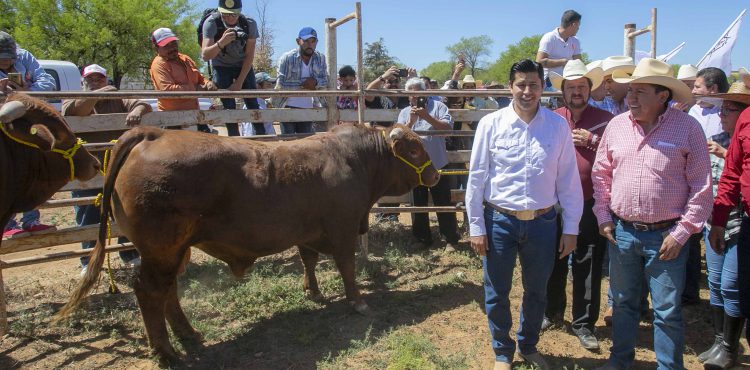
(663,117)
(515,116)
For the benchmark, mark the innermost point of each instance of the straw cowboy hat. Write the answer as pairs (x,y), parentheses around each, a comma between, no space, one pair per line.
(575,69)
(687,72)
(738,92)
(617,63)
(468,79)
(656,72)
(594,64)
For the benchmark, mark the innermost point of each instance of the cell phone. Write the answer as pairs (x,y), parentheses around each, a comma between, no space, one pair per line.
(15,77)
(421,102)
(403,72)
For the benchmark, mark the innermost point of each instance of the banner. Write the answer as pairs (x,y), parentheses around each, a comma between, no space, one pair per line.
(720,55)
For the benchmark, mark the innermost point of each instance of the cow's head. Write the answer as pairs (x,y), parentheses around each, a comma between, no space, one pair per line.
(410,153)
(27,120)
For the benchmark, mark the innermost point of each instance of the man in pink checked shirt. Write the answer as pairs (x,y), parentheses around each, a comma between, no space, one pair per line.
(652,188)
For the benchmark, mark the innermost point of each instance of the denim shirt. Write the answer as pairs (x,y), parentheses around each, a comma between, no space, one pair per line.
(34,76)
(290,73)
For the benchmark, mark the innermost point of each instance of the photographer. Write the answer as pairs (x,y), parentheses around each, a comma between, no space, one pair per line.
(229,44)
(390,79)
(425,115)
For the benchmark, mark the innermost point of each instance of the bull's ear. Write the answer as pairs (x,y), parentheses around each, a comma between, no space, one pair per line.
(397,133)
(43,135)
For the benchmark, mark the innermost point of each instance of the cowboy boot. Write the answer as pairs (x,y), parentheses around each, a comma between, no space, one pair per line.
(726,357)
(717,317)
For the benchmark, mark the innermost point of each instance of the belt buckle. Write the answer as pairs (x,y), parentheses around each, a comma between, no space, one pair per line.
(640,226)
(527,215)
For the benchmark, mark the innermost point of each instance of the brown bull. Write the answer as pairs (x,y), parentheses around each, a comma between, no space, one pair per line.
(39,154)
(238,200)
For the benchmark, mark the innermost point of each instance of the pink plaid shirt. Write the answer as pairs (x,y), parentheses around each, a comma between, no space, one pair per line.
(656,177)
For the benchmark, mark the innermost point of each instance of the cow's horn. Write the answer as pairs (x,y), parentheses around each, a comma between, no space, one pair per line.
(397,133)
(11,111)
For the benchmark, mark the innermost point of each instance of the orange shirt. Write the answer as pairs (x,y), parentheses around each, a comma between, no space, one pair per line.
(176,75)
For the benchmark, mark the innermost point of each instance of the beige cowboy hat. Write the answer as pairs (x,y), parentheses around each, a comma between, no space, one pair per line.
(687,72)
(468,79)
(617,63)
(737,92)
(653,71)
(575,69)
(594,64)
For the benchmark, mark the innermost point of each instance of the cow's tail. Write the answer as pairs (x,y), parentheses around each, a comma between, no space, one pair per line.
(119,154)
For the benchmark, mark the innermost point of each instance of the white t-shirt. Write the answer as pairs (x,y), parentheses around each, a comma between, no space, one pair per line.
(247,129)
(298,102)
(708,118)
(557,48)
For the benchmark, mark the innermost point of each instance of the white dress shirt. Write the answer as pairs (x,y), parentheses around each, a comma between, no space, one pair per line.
(520,166)
(708,118)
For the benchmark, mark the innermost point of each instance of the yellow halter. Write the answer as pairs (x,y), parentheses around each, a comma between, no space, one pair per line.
(67,154)
(419,169)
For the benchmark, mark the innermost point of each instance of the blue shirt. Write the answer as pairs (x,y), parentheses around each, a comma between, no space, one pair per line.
(290,73)
(33,75)
(434,145)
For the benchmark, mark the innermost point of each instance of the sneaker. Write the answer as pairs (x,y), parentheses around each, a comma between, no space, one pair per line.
(135,262)
(536,360)
(552,323)
(39,228)
(83,270)
(13,232)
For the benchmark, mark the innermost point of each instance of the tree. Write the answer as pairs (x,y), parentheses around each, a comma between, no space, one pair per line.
(524,49)
(376,60)
(113,34)
(263,61)
(473,49)
(439,71)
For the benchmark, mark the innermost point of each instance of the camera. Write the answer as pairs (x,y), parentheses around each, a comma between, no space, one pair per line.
(240,34)
(403,72)
(15,77)
(421,102)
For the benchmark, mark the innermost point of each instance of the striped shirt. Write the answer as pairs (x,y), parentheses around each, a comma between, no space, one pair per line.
(654,177)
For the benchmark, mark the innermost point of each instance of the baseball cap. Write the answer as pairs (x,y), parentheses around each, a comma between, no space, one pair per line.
(264,77)
(94,68)
(7,46)
(230,6)
(163,36)
(307,33)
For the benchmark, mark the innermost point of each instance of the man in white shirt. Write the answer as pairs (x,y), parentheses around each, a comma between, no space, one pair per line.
(523,163)
(560,45)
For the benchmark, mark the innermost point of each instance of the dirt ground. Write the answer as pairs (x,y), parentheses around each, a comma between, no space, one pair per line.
(450,316)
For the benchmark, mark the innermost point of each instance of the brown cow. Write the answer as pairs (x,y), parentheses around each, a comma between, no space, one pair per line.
(238,200)
(34,143)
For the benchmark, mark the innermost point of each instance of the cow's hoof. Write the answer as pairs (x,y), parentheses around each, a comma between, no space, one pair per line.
(167,357)
(362,308)
(314,296)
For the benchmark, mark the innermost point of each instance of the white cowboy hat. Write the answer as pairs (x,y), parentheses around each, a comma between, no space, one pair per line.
(468,79)
(617,63)
(656,72)
(575,69)
(687,72)
(594,64)
(737,92)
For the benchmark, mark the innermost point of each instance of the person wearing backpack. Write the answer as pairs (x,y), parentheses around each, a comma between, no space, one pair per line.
(227,40)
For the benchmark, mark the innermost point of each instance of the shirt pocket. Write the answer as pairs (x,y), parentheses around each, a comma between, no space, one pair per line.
(507,152)
(541,154)
(662,159)
(745,143)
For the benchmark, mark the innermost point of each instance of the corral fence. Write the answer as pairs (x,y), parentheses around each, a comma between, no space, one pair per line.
(44,244)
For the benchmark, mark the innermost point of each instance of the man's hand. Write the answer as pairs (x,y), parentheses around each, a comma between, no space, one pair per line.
(309,83)
(411,72)
(236,85)
(134,117)
(226,38)
(581,137)
(670,249)
(607,230)
(716,239)
(567,244)
(208,86)
(420,112)
(390,73)
(6,84)
(460,66)
(479,244)
(716,149)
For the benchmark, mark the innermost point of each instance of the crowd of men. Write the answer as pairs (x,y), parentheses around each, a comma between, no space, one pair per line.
(629,170)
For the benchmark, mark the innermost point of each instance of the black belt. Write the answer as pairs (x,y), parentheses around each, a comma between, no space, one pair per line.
(642,226)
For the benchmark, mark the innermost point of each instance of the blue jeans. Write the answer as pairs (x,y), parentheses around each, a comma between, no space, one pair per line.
(223,78)
(535,243)
(693,268)
(636,254)
(723,286)
(26,220)
(88,215)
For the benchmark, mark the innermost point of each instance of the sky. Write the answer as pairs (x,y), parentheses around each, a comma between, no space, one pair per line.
(418,31)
